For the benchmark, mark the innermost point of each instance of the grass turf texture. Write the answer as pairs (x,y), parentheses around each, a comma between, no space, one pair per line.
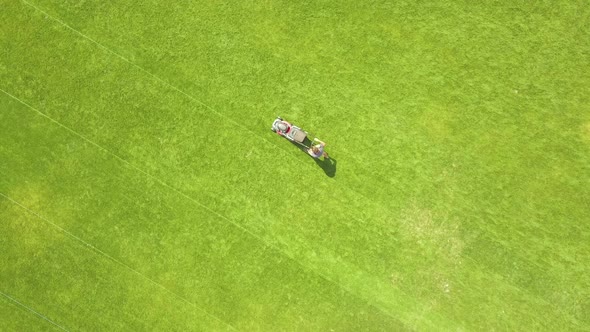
(141,187)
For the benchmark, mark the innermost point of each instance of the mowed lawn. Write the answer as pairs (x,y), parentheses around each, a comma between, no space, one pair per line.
(142,189)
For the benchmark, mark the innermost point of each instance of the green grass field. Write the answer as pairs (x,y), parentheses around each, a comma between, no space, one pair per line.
(142,189)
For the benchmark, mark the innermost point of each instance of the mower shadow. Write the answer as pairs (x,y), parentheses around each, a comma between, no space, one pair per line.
(328,165)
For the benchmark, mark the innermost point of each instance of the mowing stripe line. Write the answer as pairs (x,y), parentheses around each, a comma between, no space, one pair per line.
(220,216)
(102,253)
(157,78)
(33,311)
(141,171)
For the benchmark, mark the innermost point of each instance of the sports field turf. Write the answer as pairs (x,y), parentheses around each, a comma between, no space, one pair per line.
(142,189)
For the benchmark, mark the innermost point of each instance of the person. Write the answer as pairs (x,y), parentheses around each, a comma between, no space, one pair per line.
(317,150)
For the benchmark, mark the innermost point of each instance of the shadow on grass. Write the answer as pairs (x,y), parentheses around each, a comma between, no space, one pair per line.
(328,165)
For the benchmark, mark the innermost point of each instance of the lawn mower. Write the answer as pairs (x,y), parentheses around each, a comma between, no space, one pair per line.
(291,132)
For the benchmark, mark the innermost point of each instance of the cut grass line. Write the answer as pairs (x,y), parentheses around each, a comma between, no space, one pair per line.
(177,191)
(155,77)
(33,311)
(102,253)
